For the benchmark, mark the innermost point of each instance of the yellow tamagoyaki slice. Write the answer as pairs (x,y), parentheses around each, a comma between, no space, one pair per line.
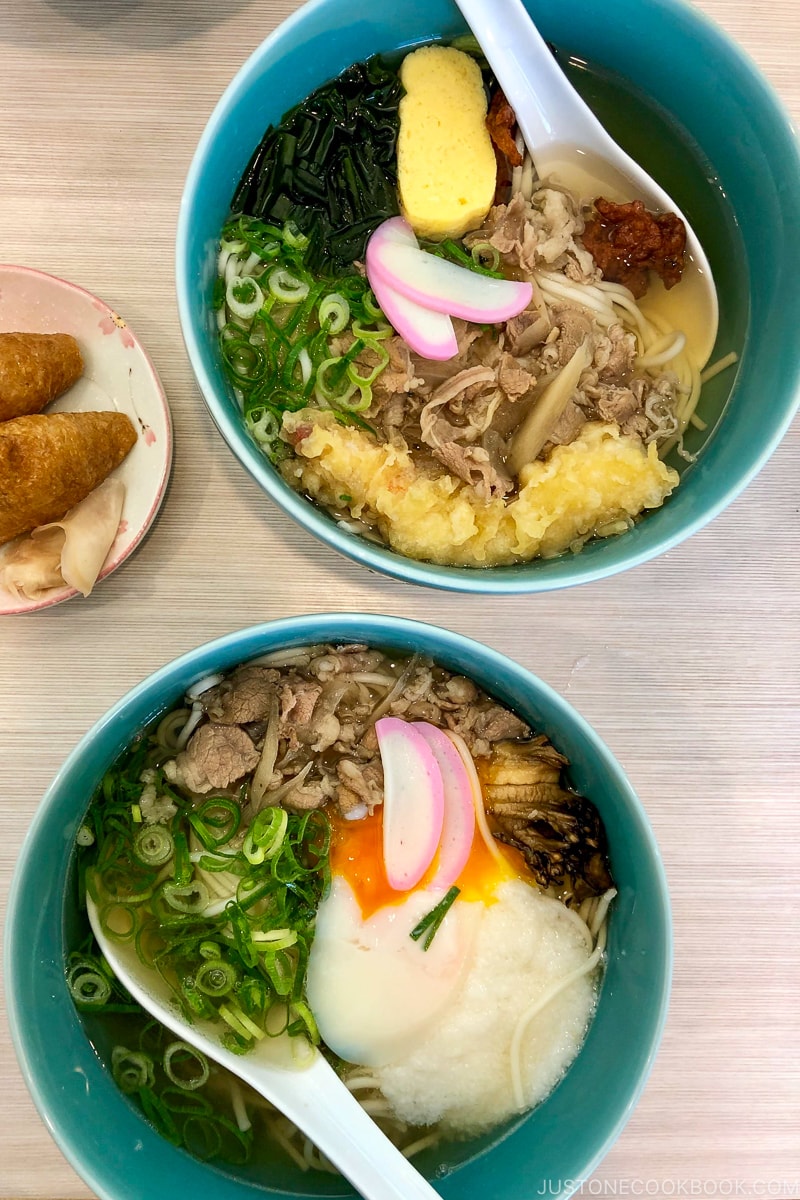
(446,166)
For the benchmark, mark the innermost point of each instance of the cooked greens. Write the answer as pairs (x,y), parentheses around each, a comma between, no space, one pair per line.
(329,166)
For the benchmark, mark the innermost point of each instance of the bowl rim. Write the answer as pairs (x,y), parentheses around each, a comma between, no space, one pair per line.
(347,626)
(509,580)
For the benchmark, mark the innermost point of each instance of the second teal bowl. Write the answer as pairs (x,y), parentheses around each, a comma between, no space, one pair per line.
(556,1146)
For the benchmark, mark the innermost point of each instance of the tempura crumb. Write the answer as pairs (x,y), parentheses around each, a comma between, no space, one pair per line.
(586,486)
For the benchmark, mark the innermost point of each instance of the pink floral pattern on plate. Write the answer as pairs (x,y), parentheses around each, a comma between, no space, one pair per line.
(112,322)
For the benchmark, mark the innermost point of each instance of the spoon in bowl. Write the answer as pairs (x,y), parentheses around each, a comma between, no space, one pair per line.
(566,141)
(311,1096)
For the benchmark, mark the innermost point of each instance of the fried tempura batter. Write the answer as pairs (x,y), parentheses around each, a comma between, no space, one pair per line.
(50,463)
(35,368)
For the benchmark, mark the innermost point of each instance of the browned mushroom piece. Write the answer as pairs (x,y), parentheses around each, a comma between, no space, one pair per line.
(559,833)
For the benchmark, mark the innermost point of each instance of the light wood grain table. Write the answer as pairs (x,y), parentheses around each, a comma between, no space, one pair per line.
(688,667)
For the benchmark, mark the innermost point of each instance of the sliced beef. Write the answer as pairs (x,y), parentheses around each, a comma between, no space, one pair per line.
(574,327)
(359,784)
(297,703)
(243,698)
(525,332)
(310,795)
(472,464)
(215,757)
(495,724)
(569,425)
(513,378)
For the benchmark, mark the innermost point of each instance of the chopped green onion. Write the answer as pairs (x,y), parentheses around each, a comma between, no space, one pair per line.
(88,986)
(280,970)
(215,977)
(266,429)
(482,251)
(239,1022)
(136,814)
(287,287)
(178,1100)
(187,897)
(208,950)
(202,1137)
(371,335)
(347,403)
(334,313)
(132,1070)
(275,939)
(247,361)
(371,306)
(114,885)
(119,921)
(244,297)
(153,845)
(338,388)
(219,814)
(265,835)
(306,1021)
(181,864)
(431,921)
(159,1115)
(367,380)
(293,237)
(84,836)
(189,1057)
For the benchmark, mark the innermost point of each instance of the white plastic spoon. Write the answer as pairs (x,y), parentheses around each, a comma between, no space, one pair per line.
(566,140)
(312,1096)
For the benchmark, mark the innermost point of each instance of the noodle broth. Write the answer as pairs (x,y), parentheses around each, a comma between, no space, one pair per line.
(655,140)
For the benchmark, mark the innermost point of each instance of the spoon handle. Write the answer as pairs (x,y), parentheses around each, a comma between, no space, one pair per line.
(317,1101)
(548,109)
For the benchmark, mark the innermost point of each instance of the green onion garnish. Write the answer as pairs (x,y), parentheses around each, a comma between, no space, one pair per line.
(132,1070)
(153,845)
(429,925)
(186,1067)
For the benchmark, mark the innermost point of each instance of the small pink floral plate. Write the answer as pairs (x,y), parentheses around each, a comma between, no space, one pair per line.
(117,375)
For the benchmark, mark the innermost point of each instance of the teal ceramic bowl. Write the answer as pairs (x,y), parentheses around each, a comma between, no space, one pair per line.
(685,102)
(555,1147)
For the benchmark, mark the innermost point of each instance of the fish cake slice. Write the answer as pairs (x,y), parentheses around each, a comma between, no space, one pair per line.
(35,368)
(49,463)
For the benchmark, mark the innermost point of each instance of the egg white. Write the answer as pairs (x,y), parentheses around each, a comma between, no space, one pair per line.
(374,991)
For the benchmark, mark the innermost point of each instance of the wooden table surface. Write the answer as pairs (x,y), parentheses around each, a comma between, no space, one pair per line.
(687,667)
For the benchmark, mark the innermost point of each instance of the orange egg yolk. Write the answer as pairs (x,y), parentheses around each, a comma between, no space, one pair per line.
(357,857)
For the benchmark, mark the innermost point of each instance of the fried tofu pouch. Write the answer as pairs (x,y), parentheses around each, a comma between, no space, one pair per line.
(48,464)
(35,368)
